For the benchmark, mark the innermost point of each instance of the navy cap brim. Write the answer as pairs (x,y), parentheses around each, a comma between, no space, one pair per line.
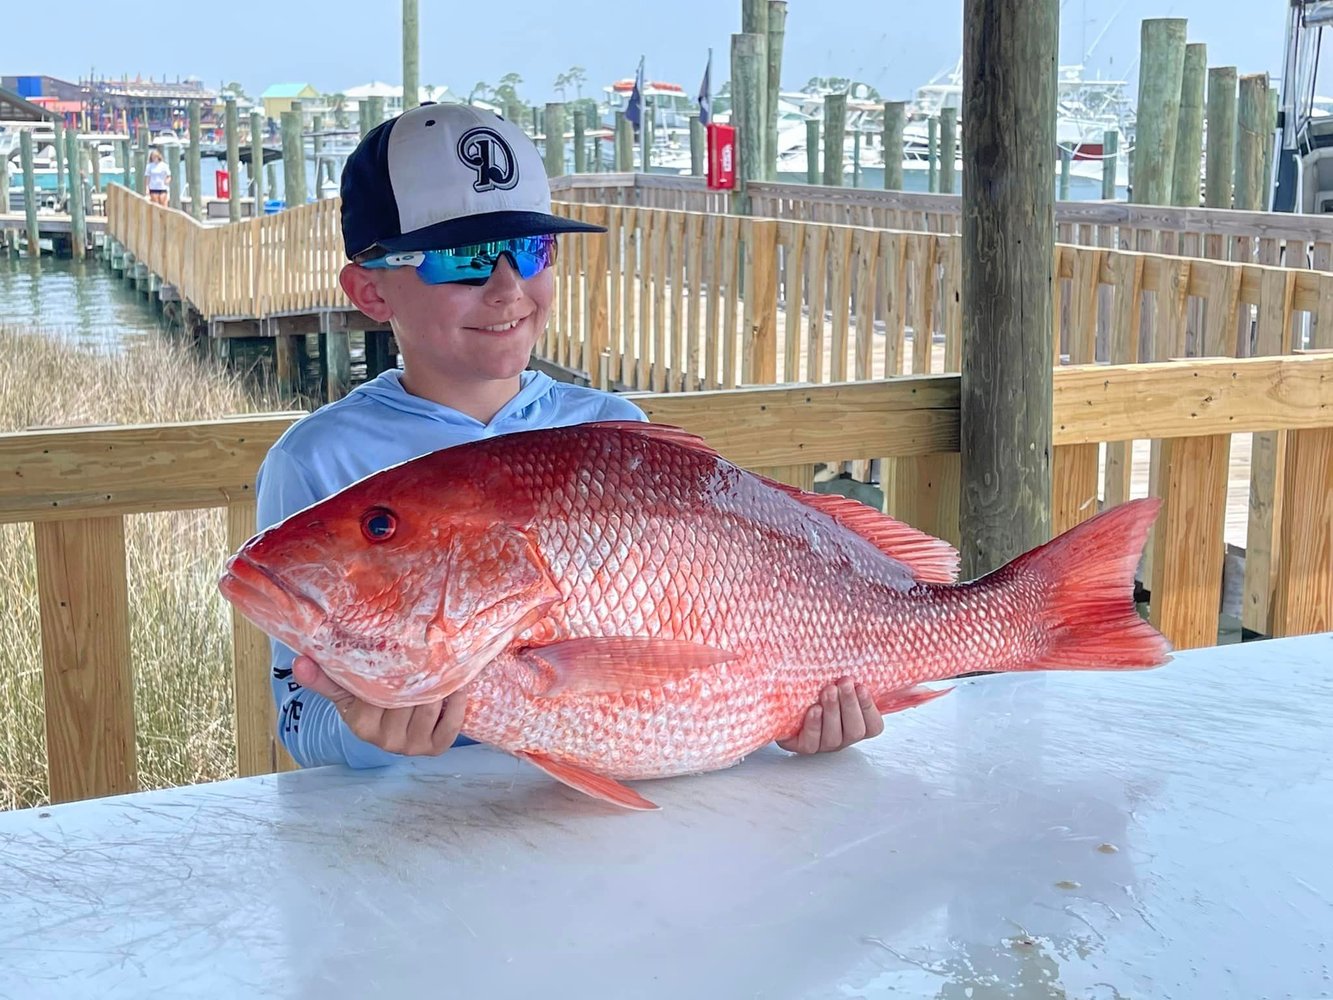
(483,228)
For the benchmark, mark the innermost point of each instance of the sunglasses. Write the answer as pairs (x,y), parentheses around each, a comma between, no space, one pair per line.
(530,255)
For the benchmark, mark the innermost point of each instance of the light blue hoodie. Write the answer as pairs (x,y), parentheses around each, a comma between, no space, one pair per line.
(376,425)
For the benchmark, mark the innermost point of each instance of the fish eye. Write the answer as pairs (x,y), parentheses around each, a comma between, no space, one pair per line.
(378,524)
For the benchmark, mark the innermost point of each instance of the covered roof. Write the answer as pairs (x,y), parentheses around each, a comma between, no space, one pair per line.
(14,108)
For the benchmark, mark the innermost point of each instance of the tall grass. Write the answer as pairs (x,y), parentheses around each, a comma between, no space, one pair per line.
(180,632)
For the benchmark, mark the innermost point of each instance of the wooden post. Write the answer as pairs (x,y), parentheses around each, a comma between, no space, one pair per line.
(30,193)
(698,146)
(1110,165)
(1251,125)
(78,230)
(1066,163)
(554,120)
(624,144)
(192,166)
(376,112)
(777,30)
(895,121)
(1269,138)
(1220,162)
(933,154)
(363,113)
(257,160)
(58,127)
(856,158)
(8,235)
(835,129)
(1008,253)
(747,73)
(317,153)
(948,148)
(1189,129)
(293,158)
(581,142)
(754,21)
(813,173)
(1161,70)
(232,130)
(175,185)
(141,162)
(411,59)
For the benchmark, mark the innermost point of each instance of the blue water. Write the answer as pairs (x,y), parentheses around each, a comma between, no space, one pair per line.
(83,299)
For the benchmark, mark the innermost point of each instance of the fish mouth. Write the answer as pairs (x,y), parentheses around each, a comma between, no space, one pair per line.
(260,595)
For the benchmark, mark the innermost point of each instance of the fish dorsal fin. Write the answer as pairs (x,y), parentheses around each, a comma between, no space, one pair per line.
(662,432)
(930,559)
(609,665)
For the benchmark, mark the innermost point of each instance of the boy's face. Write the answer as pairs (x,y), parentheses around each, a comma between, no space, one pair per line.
(454,334)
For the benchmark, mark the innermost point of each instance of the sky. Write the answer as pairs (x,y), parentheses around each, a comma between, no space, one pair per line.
(893,45)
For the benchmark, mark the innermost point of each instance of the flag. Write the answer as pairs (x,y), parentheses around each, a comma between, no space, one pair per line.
(634,106)
(705,98)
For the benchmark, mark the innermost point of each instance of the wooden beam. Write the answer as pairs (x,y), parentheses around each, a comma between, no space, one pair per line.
(1191,398)
(1008,233)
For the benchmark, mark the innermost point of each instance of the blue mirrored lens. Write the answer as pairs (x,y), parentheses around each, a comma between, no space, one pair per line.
(530,255)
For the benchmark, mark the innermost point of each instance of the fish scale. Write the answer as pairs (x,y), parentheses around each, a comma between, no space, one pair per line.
(621,602)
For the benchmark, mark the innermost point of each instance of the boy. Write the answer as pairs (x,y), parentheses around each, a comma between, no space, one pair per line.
(447,224)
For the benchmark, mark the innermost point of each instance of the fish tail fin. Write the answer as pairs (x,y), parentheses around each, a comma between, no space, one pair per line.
(1086,577)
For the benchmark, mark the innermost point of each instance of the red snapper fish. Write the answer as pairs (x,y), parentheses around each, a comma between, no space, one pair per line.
(623,603)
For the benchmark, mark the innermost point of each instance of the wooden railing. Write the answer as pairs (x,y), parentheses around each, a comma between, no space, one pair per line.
(77,486)
(1274,238)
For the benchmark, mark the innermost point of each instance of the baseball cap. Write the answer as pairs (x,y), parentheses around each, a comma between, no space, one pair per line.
(446,175)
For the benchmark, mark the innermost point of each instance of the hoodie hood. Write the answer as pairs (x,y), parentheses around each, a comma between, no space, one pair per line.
(387,390)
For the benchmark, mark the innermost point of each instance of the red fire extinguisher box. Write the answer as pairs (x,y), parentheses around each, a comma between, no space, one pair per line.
(721,171)
(222,181)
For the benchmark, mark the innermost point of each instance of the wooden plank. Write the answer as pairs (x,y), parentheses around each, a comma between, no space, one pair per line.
(731,263)
(1189,540)
(841,301)
(1176,399)
(800,476)
(80,472)
(1127,277)
(787,425)
(926,494)
(1222,309)
(1074,469)
(694,258)
(597,326)
(816,270)
(255,716)
(759,356)
(1303,595)
(1262,554)
(867,258)
(657,270)
(793,240)
(83,597)
(892,294)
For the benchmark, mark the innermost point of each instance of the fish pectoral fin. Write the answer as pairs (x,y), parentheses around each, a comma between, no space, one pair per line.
(597,785)
(613,664)
(902,698)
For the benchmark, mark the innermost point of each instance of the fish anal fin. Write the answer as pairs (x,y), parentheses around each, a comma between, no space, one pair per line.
(930,559)
(903,698)
(608,665)
(597,785)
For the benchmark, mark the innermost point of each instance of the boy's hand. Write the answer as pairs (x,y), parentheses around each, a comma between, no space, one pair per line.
(846,714)
(423,730)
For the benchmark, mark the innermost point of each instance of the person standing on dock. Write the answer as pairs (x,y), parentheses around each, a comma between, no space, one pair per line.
(448,229)
(159,178)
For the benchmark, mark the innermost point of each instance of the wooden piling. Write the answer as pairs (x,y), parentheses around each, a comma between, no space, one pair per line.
(776,36)
(814,174)
(1110,166)
(698,147)
(1269,138)
(1220,160)
(933,154)
(1189,128)
(58,128)
(948,148)
(748,69)
(257,160)
(174,186)
(1161,71)
(141,162)
(231,127)
(411,59)
(754,21)
(554,149)
(624,144)
(1066,168)
(1252,114)
(581,141)
(30,193)
(835,131)
(293,158)
(193,166)
(895,121)
(376,105)
(78,229)
(363,113)
(1008,250)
